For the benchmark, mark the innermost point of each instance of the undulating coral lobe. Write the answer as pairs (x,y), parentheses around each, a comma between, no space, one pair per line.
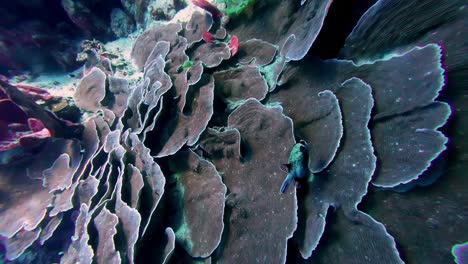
(184,165)
(460,252)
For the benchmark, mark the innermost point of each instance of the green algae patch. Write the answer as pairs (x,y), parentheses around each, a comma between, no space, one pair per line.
(235,7)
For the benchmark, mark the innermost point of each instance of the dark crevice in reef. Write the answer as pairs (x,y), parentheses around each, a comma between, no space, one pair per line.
(153,242)
(293,254)
(224,237)
(120,242)
(179,4)
(330,233)
(342,17)
(155,139)
(220,108)
(180,256)
(93,233)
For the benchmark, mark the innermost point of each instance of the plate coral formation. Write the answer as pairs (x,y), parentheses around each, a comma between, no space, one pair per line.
(184,164)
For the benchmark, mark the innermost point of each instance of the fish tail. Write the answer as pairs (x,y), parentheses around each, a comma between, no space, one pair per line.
(286,184)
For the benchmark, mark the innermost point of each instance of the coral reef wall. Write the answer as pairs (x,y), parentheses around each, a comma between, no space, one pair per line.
(185,163)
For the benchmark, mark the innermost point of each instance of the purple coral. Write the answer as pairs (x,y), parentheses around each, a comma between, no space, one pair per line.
(460,253)
(188,158)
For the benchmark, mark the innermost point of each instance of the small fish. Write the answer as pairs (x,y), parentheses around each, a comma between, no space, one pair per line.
(233,45)
(297,167)
(187,64)
(208,37)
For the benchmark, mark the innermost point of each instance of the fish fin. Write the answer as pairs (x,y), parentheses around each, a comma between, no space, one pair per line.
(286,184)
(285,167)
(298,185)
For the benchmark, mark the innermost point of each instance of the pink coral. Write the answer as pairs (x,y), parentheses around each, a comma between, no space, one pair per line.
(233,45)
(208,37)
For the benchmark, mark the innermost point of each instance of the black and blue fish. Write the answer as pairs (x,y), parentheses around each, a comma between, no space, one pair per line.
(297,166)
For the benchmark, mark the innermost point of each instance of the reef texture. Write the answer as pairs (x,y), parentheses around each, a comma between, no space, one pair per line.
(185,165)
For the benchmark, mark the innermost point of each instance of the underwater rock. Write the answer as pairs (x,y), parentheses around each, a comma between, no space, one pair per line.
(20,135)
(144,12)
(33,44)
(56,126)
(136,9)
(122,25)
(82,16)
